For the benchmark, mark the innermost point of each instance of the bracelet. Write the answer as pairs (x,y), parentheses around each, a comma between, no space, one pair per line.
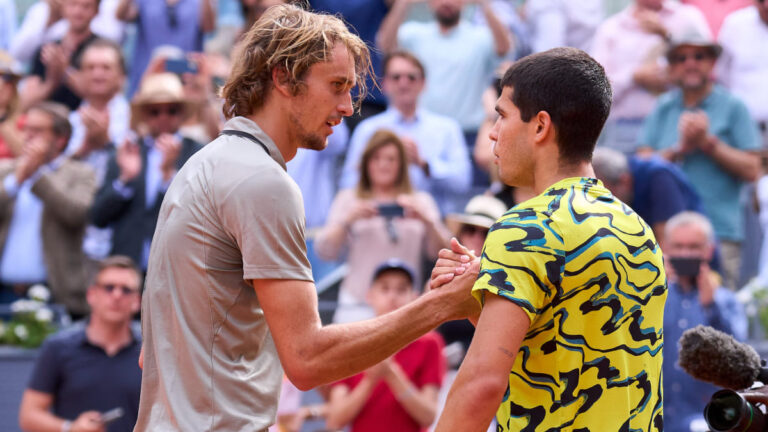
(66,426)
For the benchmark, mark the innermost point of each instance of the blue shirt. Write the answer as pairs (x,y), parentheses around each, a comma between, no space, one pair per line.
(661,190)
(81,377)
(685,396)
(23,260)
(7,23)
(459,67)
(315,173)
(155,28)
(441,144)
(364,18)
(729,120)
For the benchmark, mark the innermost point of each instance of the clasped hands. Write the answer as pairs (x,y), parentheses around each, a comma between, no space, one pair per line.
(457,269)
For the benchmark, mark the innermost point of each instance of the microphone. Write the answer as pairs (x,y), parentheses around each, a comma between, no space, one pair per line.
(716,357)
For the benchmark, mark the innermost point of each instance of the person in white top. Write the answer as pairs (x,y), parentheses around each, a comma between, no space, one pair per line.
(743,64)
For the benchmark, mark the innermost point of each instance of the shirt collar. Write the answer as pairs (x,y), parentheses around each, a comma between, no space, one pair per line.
(245,124)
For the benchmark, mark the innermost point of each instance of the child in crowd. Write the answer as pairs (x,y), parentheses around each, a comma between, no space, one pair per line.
(401,392)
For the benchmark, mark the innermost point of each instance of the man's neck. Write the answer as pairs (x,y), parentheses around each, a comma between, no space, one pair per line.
(111,337)
(273,123)
(75,38)
(408,111)
(546,176)
(693,97)
(99,102)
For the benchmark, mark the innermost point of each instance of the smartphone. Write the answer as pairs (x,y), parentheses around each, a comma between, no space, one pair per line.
(391,210)
(108,417)
(180,66)
(686,266)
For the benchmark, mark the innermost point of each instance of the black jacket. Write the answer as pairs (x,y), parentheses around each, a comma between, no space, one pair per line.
(132,222)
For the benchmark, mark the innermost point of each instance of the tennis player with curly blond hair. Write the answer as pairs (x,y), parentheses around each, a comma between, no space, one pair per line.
(229,303)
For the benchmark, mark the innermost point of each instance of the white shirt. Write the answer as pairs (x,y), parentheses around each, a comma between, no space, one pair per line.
(556,23)
(119,124)
(743,66)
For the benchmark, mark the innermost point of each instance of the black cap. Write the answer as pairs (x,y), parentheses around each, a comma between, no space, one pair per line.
(394,264)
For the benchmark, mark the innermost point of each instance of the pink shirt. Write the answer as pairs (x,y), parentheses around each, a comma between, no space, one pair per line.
(715,11)
(622,46)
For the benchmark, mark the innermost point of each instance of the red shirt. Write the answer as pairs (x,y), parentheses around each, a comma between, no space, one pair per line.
(423,362)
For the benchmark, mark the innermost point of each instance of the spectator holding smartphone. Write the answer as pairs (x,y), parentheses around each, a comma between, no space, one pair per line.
(365,222)
(400,393)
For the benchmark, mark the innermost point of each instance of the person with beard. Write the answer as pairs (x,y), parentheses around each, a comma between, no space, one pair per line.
(460,59)
(229,302)
(710,133)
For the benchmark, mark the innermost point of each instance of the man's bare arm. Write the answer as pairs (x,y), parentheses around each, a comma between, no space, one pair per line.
(483,377)
(313,355)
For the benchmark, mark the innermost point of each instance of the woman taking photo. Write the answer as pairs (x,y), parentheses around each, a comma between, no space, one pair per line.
(381,218)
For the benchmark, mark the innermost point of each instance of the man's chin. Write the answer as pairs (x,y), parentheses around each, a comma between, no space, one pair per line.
(315,143)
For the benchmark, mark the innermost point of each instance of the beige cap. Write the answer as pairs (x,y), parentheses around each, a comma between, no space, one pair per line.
(481,210)
(160,88)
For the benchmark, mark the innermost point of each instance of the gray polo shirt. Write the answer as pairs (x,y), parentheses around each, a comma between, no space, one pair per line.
(231,214)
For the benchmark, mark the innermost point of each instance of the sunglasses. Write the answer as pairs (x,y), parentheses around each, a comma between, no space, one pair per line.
(396,77)
(473,230)
(124,289)
(173,110)
(682,58)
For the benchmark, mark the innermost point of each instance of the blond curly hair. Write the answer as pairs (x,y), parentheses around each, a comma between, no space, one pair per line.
(293,39)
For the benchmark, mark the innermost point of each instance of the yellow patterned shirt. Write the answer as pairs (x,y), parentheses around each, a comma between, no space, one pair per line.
(588,272)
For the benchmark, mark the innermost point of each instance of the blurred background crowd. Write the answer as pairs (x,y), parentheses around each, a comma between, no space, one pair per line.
(102,102)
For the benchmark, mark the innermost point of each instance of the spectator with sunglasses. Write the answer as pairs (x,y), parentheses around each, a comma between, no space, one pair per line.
(437,157)
(709,132)
(181,23)
(140,170)
(92,367)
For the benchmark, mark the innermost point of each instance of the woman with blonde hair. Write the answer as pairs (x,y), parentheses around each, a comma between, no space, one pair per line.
(381,218)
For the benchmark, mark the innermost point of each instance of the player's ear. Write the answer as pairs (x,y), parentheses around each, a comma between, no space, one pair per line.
(282,81)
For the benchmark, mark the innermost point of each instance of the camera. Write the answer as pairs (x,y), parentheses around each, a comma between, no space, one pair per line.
(181,66)
(728,411)
(390,210)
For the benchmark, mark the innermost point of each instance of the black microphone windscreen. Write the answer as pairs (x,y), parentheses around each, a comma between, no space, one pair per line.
(716,357)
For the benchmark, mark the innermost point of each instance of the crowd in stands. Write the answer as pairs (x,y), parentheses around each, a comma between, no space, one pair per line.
(103,101)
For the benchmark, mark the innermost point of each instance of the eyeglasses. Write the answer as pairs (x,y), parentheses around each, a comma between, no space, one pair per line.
(412,77)
(474,230)
(124,289)
(682,58)
(172,110)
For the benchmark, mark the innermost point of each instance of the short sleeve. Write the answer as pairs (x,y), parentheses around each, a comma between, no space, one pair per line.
(650,129)
(46,374)
(667,197)
(408,34)
(522,261)
(266,220)
(434,364)
(745,134)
